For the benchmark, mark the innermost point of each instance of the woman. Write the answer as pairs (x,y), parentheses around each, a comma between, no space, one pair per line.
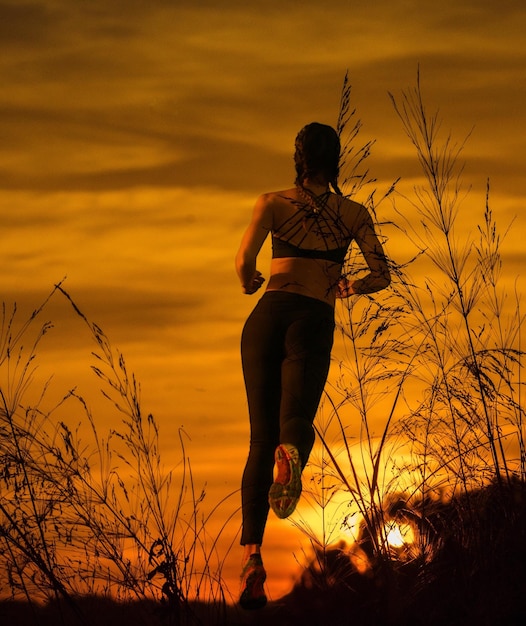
(287,339)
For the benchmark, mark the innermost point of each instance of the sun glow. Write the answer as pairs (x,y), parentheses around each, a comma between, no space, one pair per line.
(398,535)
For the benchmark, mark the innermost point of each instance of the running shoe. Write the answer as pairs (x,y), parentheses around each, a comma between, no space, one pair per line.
(253,577)
(285,492)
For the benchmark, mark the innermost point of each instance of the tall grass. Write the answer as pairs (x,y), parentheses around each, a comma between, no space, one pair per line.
(85,512)
(425,400)
(472,399)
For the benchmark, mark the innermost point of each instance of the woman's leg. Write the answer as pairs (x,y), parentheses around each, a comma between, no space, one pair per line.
(308,345)
(262,353)
(304,370)
(285,347)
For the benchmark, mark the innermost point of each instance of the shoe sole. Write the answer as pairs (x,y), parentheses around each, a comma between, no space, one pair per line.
(284,498)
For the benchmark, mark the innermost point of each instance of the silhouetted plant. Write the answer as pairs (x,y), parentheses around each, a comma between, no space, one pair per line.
(99,514)
(473,357)
(431,370)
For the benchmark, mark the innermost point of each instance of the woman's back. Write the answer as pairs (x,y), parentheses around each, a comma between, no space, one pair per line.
(310,236)
(316,222)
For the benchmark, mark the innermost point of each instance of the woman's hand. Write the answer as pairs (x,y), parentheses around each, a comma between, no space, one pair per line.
(254,284)
(344,288)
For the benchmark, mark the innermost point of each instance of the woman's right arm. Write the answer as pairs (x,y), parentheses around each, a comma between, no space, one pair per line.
(254,237)
(379,276)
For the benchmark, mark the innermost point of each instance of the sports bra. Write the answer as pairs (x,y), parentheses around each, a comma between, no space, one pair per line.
(282,249)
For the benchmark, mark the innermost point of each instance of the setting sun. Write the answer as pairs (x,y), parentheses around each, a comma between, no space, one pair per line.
(398,535)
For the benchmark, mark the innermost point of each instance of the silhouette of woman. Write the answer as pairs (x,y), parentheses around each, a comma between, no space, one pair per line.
(287,339)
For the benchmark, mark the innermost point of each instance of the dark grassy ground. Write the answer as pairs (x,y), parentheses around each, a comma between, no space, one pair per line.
(477,577)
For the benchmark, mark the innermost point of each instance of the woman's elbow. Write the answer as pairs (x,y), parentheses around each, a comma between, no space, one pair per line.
(244,264)
(240,259)
(385,279)
(380,280)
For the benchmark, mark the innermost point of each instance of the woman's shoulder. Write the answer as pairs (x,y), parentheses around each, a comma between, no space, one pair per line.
(360,208)
(272,200)
(351,207)
(354,214)
(278,196)
(350,204)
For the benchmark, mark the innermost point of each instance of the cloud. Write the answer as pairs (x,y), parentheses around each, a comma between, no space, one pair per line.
(24,24)
(107,163)
(164,94)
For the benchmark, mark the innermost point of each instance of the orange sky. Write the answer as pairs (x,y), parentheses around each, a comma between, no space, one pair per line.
(135,136)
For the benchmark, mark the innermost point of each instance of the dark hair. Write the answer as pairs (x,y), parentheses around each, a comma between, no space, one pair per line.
(318,152)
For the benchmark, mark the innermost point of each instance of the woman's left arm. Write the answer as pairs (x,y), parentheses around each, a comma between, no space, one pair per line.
(254,237)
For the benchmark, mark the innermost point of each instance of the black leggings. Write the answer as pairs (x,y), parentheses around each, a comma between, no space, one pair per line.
(285,349)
